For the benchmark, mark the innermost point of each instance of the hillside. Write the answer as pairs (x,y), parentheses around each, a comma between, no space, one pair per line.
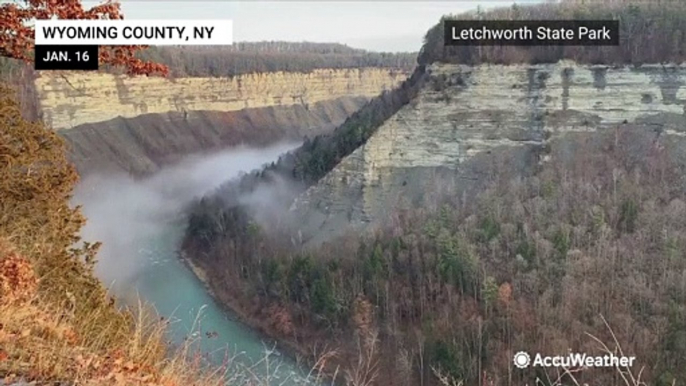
(466,112)
(58,324)
(512,199)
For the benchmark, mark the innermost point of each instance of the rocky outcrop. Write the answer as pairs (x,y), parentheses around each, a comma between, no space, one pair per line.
(77,98)
(463,113)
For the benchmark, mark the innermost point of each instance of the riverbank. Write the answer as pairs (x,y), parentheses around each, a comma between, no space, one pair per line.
(137,221)
(253,316)
(58,323)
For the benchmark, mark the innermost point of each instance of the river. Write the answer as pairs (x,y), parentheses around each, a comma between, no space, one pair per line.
(138,224)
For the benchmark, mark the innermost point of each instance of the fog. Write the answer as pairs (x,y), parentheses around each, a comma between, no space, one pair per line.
(124,214)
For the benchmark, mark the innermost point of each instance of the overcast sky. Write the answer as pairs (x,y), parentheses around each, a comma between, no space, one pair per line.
(372,25)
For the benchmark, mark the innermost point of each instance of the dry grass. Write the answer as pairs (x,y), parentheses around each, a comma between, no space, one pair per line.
(57,322)
(40,341)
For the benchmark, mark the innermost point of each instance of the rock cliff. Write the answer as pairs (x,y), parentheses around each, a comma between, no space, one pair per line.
(70,100)
(143,144)
(462,113)
(139,124)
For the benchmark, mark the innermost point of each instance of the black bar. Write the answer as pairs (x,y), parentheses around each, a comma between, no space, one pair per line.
(51,57)
(532,32)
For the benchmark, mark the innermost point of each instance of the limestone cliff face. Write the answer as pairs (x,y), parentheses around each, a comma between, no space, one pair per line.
(463,113)
(144,144)
(77,98)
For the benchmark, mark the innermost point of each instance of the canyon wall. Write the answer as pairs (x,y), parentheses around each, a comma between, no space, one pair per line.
(464,113)
(139,124)
(69,100)
(142,145)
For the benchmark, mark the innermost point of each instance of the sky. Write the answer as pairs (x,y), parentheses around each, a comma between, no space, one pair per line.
(394,26)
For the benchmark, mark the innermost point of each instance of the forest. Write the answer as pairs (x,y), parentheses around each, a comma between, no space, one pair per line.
(592,243)
(589,244)
(650,32)
(245,58)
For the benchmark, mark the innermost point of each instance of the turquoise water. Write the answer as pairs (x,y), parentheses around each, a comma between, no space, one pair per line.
(137,222)
(175,291)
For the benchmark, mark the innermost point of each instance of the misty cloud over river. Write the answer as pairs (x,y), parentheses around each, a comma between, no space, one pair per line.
(122,211)
(140,225)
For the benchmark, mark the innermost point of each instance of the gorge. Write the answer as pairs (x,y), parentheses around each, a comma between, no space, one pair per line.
(139,224)
(502,199)
(410,226)
(145,147)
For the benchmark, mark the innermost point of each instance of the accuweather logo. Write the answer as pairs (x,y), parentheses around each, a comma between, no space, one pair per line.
(523,360)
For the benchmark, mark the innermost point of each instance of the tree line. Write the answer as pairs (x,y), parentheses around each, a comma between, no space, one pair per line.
(317,156)
(650,32)
(246,58)
(284,46)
